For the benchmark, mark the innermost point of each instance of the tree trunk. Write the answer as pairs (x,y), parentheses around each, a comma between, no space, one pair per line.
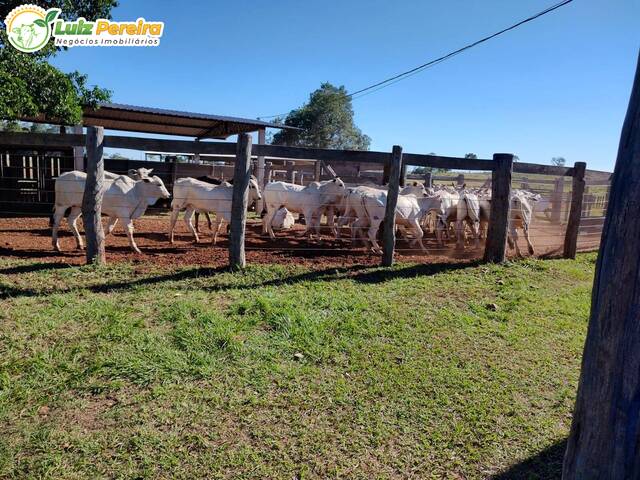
(605,434)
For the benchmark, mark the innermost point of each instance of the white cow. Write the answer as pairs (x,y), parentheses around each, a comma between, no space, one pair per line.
(309,201)
(371,207)
(124,198)
(194,195)
(283,220)
(350,208)
(521,216)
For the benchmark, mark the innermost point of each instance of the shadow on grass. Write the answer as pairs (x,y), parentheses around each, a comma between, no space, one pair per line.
(34,267)
(546,465)
(359,273)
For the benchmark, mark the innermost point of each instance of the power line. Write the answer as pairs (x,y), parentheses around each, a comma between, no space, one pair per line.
(406,74)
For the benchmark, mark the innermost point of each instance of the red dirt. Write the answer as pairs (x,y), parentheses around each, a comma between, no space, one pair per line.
(30,238)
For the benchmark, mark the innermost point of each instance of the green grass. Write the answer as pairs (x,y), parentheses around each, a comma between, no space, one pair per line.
(282,372)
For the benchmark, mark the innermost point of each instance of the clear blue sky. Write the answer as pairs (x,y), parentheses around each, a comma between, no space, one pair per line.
(556,87)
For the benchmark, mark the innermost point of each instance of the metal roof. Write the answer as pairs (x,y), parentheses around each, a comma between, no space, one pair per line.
(116,116)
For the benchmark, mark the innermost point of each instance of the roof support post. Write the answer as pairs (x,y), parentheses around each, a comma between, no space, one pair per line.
(78,151)
(262,138)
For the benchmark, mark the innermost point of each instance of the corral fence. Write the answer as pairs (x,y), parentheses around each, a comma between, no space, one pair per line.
(573,199)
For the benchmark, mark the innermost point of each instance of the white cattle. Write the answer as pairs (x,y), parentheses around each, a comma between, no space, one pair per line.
(124,198)
(309,201)
(194,195)
(369,205)
(282,220)
(521,216)
(350,208)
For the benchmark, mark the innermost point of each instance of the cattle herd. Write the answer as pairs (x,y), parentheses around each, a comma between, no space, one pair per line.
(447,212)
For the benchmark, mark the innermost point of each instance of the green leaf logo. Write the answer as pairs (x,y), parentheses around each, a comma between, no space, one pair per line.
(52,14)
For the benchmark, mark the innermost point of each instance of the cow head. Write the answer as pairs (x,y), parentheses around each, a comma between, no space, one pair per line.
(26,33)
(139,173)
(254,190)
(153,187)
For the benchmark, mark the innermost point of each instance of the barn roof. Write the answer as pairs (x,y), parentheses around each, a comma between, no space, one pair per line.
(116,116)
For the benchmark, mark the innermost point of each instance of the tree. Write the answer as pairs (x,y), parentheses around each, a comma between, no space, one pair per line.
(606,426)
(326,121)
(470,155)
(558,161)
(30,86)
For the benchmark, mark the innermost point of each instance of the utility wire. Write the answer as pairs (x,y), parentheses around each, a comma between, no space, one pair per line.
(401,76)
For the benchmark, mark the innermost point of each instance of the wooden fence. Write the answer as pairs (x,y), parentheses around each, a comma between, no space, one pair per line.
(394,163)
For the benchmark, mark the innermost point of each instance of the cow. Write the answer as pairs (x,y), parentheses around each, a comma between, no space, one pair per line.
(309,201)
(409,213)
(194,195)
(349,207)
(521,216)
(124,198)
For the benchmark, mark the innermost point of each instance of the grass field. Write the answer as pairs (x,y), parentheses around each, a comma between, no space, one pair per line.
(284,372)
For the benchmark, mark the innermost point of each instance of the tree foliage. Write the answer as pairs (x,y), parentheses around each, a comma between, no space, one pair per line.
(470,155)
(30,86)
(326,121)
(558,161)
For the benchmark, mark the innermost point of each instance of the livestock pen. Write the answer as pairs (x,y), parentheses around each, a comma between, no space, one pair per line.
(569,221)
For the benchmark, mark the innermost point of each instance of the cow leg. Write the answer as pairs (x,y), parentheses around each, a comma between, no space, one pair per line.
(172,222)
(525,227)
(128,223)
(197,222)
(266,222)
(373,235)
(208,217)
(73,219)
(514,240)
(217,223)
(459,234)
(474,226)
(111,224)
(419,234)
(58,215)
(188,215)
(331,221)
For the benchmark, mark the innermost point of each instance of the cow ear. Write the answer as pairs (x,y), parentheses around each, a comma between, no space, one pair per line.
(415,184)
(150,170)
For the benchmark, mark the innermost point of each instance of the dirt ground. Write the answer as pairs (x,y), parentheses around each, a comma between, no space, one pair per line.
(30,238)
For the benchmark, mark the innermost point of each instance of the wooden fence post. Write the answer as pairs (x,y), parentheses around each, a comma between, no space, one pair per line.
(403,175)
(500,206)
(573,225)
(291,174)
(92,197)
(556,200)
(389,229)
(603,442)
(317,171)
(385,174)
(241,175)
(428,180)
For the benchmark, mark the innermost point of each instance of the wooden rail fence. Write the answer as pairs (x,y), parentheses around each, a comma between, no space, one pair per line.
(395,164)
